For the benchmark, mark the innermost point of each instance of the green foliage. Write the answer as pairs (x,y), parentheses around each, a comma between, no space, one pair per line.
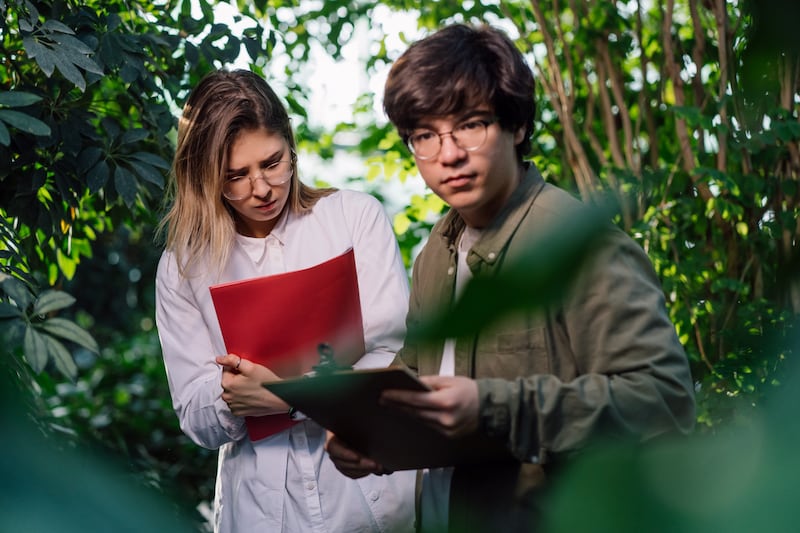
(688,109)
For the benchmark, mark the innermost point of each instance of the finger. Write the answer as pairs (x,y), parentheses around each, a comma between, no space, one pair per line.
(400,398)
(228,360)
(435,382)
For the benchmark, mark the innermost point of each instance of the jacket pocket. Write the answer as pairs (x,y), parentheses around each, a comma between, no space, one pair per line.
(512,353)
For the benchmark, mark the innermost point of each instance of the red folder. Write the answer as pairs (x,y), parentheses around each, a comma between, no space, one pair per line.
(280,320)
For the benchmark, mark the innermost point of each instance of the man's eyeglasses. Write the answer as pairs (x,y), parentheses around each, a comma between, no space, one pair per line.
(241,187)
(468,135)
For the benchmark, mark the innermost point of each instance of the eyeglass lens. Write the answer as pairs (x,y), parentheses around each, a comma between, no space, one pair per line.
(241,187)
(468,136)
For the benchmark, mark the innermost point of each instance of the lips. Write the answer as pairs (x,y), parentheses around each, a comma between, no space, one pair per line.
(457,181)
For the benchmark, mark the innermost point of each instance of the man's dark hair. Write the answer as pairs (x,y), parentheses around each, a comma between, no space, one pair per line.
(457,69)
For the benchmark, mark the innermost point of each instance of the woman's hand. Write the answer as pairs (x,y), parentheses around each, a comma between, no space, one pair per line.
(242,390)
(348,461)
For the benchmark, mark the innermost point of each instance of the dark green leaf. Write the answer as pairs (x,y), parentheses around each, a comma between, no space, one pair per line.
(97,177)
(134,135)
(5,136)
(24,122)
(79,58)
(35,349)
(56,26)
(89,158)
(68,70)
(45,57)
(18,98)
(73,44)
(18,292)
(8,310)
(66,329)
(148,173)
(52,300)
(151,159)
(125,183)
(61,357)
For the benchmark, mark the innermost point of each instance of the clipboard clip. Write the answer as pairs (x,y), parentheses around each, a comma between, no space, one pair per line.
(327,364)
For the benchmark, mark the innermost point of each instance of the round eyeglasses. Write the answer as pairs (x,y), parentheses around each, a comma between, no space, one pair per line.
(241,187)
(468,135)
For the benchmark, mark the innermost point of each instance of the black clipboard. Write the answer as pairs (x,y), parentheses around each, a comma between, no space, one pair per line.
(346,403)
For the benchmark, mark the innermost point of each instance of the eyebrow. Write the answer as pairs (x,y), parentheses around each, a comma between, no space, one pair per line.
(274,158)
(474,113)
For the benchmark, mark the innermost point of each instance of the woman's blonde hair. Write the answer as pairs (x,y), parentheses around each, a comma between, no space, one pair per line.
(199,223)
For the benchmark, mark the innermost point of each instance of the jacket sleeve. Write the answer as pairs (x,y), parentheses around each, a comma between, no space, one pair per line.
(633,376)
(192,372)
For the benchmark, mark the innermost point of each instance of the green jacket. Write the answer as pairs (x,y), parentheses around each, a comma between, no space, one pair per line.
(606,360)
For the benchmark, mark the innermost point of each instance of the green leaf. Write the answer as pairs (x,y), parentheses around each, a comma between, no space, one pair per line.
(68,70)
(151,159)
(23,121)
(66,264)
(18,98)
(17,291)
(8,310)
(56,26)
(44,55)
(35,349)
(134,135)
(66,329)
(61,357)
(79,59)
(5,136)
(125,183)
(68,42)
(148,173)
(52,300)
(97,177)
(88,158)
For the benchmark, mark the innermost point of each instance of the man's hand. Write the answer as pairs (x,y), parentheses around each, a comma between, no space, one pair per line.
(451,407)
(242,390)
(348,461)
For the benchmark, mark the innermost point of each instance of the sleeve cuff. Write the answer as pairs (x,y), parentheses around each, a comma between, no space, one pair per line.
(494,413)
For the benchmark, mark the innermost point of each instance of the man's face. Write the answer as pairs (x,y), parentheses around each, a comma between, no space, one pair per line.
(475,168)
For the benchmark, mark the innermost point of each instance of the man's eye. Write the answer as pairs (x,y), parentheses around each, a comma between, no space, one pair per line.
(234,179)
(423,136)
(472,125)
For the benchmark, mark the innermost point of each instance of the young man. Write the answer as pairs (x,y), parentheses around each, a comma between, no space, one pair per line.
(605,361)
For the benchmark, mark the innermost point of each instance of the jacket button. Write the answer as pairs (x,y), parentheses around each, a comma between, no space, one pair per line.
(491,256)
(450,271)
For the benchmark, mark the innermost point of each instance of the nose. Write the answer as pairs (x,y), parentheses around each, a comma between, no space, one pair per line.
(260,187)
(449,151)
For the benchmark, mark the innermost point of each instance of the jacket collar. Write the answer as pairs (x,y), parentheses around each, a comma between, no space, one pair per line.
(497,234)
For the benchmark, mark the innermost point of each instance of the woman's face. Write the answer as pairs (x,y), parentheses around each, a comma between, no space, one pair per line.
(256,158)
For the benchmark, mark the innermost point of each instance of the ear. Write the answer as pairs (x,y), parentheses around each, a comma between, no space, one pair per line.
(519,135)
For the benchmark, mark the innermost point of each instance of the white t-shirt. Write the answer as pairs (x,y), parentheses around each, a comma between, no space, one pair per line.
(435,497)
(286,482)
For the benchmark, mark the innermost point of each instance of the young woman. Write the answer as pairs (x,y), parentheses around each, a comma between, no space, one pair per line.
(239,211)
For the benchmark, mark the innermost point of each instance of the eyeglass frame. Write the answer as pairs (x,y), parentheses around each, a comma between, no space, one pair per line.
(292,161)
(485,121)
